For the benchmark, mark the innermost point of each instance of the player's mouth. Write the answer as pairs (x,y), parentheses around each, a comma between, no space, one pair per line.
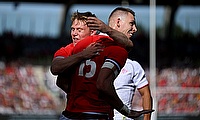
(130,33)
(76,40)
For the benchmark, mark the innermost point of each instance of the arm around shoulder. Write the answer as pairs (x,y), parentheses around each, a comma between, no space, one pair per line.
(59,64)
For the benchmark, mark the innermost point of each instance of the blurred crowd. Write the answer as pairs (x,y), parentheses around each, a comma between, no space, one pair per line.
(179,91)
(24,91)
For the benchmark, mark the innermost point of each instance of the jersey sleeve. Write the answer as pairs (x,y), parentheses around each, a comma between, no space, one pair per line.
(139,77)
(117,55)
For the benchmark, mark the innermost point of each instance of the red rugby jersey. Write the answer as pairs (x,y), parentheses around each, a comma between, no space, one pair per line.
(84,96)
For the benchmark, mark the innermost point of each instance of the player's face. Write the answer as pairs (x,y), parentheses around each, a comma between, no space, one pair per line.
(128,26)
(79,30)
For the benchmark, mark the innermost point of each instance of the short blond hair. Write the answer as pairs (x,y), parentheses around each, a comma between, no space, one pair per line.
(81,16)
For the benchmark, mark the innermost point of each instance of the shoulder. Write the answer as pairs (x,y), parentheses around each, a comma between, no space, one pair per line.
(90,39)
(117,50)
(134,64)
(102,38)
(82,44)
(93,38)
(116,53)
(64,51)
(68,47)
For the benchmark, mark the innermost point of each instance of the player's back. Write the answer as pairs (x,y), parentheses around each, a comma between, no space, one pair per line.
(84,95)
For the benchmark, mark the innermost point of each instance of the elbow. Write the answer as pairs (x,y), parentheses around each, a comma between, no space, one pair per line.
(129,46)
(53,70)
(132,44)
(103,87)
(99,86)
(55,67)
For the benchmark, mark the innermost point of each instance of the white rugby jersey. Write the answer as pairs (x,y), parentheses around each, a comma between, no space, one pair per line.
(131,76)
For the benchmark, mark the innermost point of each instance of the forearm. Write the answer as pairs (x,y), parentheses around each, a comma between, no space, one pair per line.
(112,98)
(60,64)
(62,82)
(147,105)
(96,24)
(106,87)
(146,100)
(120,38)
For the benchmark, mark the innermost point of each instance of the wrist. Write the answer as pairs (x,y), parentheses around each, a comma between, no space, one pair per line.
(125,110)
(109,31)
(81,55)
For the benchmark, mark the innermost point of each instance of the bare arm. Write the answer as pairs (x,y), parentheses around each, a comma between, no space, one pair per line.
(96,24)
(146,101)
(105,86)
(60,67)
(60,64)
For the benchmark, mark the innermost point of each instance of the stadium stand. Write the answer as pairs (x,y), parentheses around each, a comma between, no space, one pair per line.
(28,88)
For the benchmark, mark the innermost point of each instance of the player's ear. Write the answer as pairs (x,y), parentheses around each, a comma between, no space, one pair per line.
(118,22)
(93,32)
